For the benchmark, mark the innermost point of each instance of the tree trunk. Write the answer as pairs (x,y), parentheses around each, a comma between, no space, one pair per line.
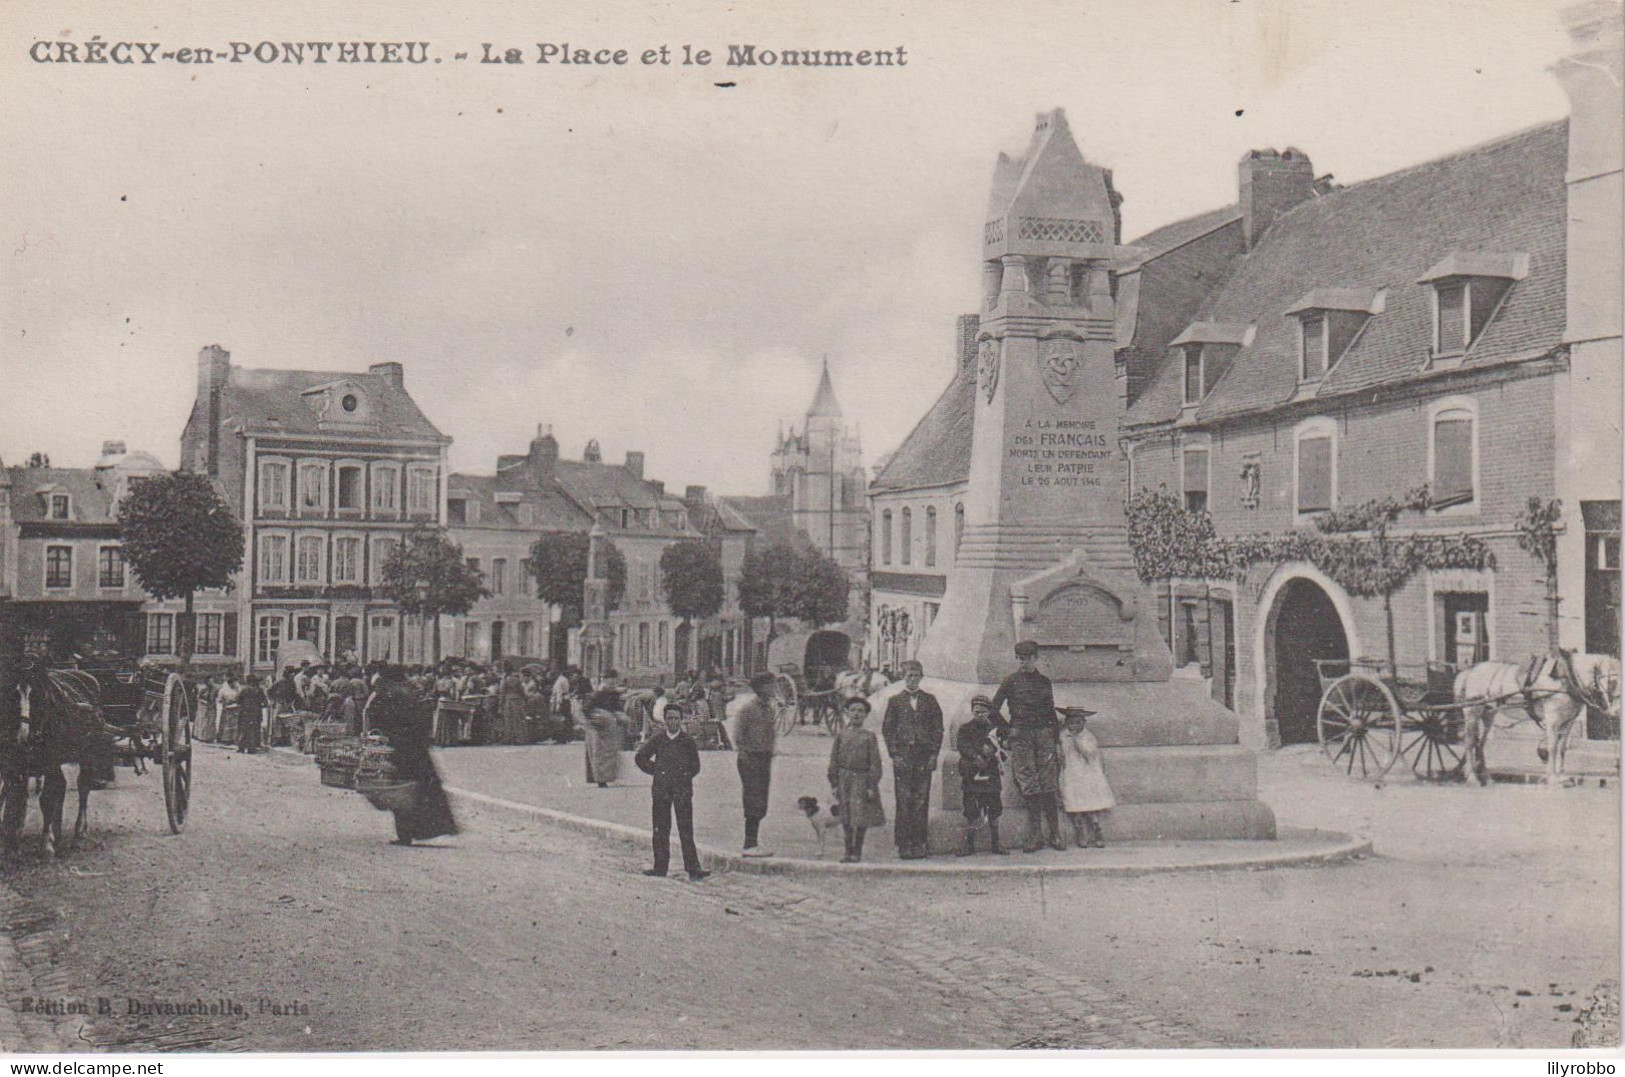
(1553,634)
(1393,653)
(437,640)
(188,634)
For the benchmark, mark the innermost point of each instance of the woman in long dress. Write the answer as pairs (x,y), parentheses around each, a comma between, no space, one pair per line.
(397,712)
(603,725)
(512,703)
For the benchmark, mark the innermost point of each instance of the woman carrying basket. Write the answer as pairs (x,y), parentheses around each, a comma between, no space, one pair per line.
(397,712)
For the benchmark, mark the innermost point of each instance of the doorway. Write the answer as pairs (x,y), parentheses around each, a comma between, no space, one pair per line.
(1304,626)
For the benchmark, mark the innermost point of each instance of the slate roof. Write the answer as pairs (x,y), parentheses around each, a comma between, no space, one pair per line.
(88,501)
(607,486)
(551,510)
(256,397)
(1506,196)
(769,515)
(937,451)
(824,402)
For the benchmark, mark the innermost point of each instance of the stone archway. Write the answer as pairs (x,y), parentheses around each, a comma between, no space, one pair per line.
(1306,617)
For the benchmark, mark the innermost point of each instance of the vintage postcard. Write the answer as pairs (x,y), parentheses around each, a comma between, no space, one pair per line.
(1097,524)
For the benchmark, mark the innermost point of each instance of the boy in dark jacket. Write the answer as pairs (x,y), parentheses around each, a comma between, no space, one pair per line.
(673,759)
(981,787)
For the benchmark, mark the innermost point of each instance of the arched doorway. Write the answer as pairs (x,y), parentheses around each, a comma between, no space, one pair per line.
(1304,624)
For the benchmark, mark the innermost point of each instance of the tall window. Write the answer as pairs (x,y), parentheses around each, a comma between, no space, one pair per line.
(1450,326)
(267,638)
(931,535)
(1313,339)
(523,640)
(160,633)
(273,558)
(643,644)
(499,575)
(273,486)
(1196,472)
(59,506)
(525,580)
(308,561)
(347,559)
(312,489)
(1452,457)
(350,487)
(110,566)
(959,527)
(210,633)
(1194,390)
(1316,466)
(906,540)
(420,490)
(471,639)
(885,537)
(665,643)
(381,550)
(59,566)
(385,490)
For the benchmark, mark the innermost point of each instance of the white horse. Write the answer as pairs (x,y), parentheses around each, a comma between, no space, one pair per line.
(1550,689)
(864,683)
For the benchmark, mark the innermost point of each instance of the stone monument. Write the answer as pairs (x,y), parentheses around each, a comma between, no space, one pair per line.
(1045,553)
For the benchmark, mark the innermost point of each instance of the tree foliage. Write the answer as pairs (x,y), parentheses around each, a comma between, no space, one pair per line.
(426,576)
(558,563)
(691,578)
(179,535)
(786,581)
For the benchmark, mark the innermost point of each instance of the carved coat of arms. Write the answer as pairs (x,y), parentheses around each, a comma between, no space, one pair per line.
(1061,369)
(987,368)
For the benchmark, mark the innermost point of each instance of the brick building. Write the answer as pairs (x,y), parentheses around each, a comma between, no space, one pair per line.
(330,470)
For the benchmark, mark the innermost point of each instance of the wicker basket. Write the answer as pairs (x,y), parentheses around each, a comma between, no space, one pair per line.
(389,795)
(338,777)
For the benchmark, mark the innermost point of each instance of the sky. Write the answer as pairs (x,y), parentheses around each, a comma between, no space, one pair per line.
(634,253)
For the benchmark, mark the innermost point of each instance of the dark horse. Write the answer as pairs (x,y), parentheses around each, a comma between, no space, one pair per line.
(51,717)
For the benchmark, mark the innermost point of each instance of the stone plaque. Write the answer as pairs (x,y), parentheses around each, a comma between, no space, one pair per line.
(1082,616)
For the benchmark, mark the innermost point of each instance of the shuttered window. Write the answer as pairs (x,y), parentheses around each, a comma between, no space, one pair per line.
(1194,389)
(1314,347)
(1314,474)
(1452,459)
(1452,324)
(1196,480)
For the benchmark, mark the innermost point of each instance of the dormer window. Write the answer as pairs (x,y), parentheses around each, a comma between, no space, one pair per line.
(1329,322)
(1468,288)
(1209,349)
(58,506)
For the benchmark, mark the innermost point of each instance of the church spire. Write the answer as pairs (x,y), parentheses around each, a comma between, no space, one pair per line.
(824,405)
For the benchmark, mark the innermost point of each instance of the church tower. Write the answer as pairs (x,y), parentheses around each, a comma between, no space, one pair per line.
(820,471)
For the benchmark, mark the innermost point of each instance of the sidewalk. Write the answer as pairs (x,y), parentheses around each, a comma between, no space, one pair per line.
(548,782)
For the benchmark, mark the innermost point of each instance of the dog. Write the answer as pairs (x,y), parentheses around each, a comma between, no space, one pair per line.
(822,821)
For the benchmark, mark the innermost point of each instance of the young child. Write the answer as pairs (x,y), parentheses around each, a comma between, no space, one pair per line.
(981,787)
(1085,792)
(855,770)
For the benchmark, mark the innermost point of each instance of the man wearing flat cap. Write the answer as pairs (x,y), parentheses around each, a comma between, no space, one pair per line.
(755,737)
(1035,757)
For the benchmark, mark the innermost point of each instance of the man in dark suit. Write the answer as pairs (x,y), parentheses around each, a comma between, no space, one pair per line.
(912,730)
(673,759)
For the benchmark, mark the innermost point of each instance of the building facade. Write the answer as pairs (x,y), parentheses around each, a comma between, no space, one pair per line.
(819,471)
(330,470)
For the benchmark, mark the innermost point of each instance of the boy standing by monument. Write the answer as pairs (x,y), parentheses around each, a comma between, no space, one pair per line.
(912,730)
(1035,756)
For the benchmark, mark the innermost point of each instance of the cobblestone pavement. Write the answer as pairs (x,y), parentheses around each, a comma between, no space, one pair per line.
(512,936)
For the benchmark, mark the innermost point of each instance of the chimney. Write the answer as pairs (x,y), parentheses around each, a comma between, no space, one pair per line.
(213,367)
(634,465)
(965,327)
(1117,206)
(544,453)
(1271,184)
(695,494)
(660,487)
(393,373)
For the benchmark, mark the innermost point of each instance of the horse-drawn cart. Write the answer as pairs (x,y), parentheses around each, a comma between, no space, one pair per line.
(164,724)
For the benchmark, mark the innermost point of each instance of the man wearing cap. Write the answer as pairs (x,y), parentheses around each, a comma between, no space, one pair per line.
(912,730)
(1035,756)
(755,736)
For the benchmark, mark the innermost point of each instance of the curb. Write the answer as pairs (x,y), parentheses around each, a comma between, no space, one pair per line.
(1334,847)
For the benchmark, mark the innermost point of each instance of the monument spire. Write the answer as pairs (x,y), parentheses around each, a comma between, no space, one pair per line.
(824,404)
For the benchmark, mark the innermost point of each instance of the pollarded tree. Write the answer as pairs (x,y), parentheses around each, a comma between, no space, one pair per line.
(180,537)
(822,589)
(691,577)
(427,576)
(767,585)
(558,563)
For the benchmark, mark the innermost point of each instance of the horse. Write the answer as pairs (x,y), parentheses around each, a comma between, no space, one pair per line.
(1551,689)
(54,718)
(864,683)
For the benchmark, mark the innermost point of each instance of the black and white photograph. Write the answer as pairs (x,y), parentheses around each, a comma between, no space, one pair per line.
(1009,529)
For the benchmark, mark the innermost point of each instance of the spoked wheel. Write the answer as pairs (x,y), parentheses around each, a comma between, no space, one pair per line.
(1431,743)
(1358,725)
(177,749)
(786,703)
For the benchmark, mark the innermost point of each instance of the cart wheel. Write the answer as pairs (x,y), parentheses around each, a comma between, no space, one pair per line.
(1358,725)
(177,751)
(1431,742)
(787,703)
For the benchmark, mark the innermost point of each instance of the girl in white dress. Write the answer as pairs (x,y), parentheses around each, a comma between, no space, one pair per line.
(1085,793)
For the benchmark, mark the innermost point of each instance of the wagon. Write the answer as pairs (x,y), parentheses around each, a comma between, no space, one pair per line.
(1371,720)
(150,713)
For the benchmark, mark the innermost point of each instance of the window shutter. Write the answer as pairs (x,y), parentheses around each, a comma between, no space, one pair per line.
(1314,348)
(1314,474)
(1452,331)
(228,639)
(1196,472)
(1194,389)
(1452,461)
